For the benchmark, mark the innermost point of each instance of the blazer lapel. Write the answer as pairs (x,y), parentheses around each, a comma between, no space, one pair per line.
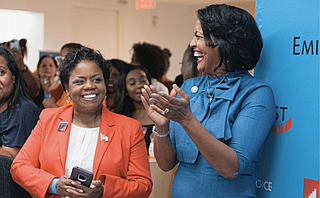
(106,134)
(63,134)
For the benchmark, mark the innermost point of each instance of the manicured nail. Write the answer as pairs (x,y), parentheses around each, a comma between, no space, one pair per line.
(152,106)
(151,99)
(80,191)
(153,95)
(161,93)
(175,86)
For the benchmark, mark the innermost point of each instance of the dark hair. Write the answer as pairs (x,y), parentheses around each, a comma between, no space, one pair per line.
(166,55)
(151,57)
(47,56)
(238,37)
(120,65)
(192,59)
(122,102)
(74,57)
(72,46)
(19,86)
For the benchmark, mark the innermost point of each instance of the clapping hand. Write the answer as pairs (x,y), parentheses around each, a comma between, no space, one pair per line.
(162,107)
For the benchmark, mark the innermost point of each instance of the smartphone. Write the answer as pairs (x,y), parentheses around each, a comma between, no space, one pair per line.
(82,175)
(14,44)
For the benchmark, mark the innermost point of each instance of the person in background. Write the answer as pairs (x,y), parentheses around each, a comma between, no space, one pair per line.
(46,70)
(215,125)
(19,52)
(112,83)
(128,98)
(188,67)
(152,58)
(85,134)
(51,102)
(164,79)
(18,114)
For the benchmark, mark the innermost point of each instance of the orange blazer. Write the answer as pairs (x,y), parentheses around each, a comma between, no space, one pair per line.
(121,163)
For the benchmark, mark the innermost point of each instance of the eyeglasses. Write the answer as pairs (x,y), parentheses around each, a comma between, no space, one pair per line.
(59,59)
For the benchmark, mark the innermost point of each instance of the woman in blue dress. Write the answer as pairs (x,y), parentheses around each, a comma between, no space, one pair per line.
(215,125)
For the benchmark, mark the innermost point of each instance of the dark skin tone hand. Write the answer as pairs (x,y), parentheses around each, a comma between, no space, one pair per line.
(72,189)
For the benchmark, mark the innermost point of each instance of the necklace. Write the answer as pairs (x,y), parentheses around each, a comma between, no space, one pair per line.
(211,96)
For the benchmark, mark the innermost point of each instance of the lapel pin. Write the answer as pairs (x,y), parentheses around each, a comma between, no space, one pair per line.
(62,126)
(103,137)
(194,89)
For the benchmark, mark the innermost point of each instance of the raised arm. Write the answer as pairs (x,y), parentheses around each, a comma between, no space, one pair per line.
(225,159)
(165,152)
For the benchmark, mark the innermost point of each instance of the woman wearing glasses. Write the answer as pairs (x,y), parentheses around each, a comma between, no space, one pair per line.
(217,125)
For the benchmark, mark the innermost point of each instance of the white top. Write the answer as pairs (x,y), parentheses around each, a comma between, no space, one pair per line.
(159,86)
(81,148)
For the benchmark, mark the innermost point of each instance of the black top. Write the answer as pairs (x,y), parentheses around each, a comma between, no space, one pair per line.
(16,126)
(147,131)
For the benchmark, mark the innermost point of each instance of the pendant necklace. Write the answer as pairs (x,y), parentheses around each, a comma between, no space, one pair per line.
(211,96)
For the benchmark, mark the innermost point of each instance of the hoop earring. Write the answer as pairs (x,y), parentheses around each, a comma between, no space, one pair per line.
(68,99)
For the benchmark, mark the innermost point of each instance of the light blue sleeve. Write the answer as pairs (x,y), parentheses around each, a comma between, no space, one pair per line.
(252,126)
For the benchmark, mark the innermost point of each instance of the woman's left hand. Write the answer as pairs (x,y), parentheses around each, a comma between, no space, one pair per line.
(171,107)
(95,190)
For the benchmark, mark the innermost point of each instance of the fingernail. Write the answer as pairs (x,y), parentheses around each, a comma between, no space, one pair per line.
(68,190)
(152,106)
(151,99)
(175,86)
(161,93)
(153,95)
(80,191)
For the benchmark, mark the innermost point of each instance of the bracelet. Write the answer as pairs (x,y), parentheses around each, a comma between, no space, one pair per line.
(47,95)
(54,188)
(159,135)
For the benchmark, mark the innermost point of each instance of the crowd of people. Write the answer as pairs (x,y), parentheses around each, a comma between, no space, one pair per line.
(80,110)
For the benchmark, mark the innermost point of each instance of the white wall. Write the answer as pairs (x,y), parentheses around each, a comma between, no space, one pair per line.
(173,30)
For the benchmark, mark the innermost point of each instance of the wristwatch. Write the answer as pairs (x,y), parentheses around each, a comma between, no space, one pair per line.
(25,68)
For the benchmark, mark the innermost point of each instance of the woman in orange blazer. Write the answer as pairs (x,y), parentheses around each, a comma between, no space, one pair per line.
(63,138)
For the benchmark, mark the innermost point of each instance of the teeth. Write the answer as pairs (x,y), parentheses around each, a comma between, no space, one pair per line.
(90,96)
(110,85)
(197,54)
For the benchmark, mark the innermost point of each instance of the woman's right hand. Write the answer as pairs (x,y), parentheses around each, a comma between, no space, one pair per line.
(62,185)
(157,118)
(45,81)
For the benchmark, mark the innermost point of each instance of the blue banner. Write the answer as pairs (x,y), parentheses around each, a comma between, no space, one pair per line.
(289,165)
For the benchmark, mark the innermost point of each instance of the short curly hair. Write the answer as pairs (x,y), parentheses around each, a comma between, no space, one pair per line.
(74,57)
(235,30)
(151,57)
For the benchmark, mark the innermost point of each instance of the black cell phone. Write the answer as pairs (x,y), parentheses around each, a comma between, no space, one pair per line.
(82,175)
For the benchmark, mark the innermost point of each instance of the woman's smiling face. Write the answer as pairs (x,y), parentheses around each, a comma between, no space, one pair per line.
(87,87)
(208,57)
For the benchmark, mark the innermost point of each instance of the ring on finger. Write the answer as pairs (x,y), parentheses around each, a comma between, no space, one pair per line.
(165,111)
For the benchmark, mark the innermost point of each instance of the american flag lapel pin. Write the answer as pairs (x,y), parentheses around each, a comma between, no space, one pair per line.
(62,126)
(103,137)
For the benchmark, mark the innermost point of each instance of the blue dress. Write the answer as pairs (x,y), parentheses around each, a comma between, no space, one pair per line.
(240,115)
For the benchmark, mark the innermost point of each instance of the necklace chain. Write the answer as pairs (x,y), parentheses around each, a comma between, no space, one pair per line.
(211,96)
